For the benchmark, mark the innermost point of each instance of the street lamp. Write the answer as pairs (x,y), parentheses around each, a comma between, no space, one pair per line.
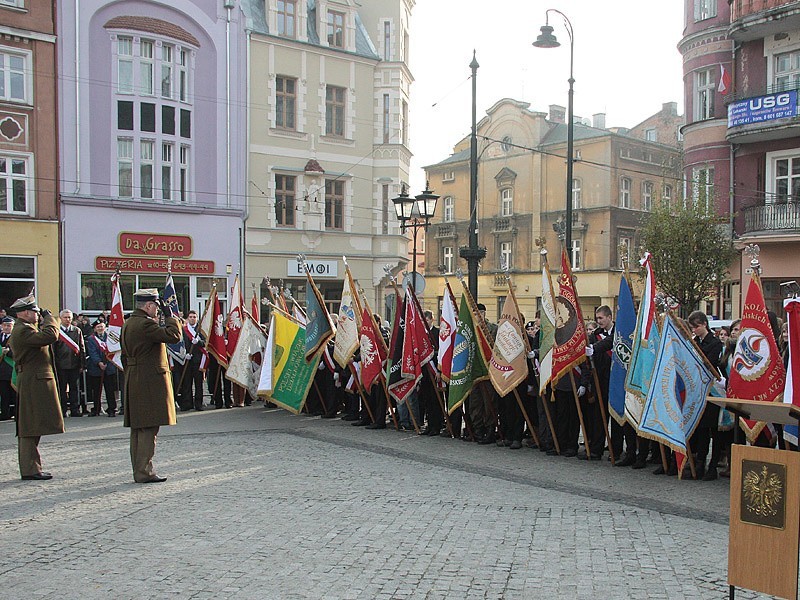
(415,213)
(546,39)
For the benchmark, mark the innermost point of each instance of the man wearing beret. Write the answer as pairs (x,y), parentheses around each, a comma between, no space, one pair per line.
(149,399)
(38,406)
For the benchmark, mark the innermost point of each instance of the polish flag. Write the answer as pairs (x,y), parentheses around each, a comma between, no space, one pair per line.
(724,80)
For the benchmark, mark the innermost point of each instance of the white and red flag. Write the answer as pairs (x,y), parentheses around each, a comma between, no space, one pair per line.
(71,344)
(213,327)
(115,322)
(417,346)
(235,315)
(373,350)
(724,80)
(448,326)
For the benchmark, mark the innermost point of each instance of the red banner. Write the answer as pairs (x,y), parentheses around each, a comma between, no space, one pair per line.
(570,348)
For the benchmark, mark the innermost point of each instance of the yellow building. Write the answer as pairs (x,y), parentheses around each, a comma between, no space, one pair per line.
(328,143)
(618,175)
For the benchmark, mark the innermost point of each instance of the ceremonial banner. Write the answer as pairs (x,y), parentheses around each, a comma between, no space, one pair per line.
(176,351)
(570,335)
(255,312)
(245,365)
(469,364)
(791,394)
(417,346)
(646,340)
(624,329)
(681,383)
(447,333)
(347,329)
(318,323)
(292,374)
(265,378)
(757,371)
(235,315)
(298,314)
(213,328)
(399,387)
(508,365)
(373,352)
(547,329)
(115,322)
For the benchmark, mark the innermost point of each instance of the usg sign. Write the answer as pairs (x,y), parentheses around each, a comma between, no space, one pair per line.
(762,108)
(317,268)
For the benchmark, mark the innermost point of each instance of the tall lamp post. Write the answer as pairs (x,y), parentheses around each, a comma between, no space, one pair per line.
(546,39)
(415,213)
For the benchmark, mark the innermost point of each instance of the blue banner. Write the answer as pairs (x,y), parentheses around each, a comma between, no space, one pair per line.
(676,400)
(763,108)
(622,347)
(176,351)
(318,326)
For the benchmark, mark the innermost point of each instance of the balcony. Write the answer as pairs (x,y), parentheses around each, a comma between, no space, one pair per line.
(447,230)
(772,115)
(502,224)
(772,219)
(755,19)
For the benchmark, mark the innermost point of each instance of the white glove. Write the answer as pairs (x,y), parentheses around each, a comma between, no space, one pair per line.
(188,357)
(589,351)
(336,377)
(531,354)
(581,391)
(721,382)
(321,366)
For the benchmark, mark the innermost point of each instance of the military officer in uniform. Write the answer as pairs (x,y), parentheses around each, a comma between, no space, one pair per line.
(38,405)
(149,399)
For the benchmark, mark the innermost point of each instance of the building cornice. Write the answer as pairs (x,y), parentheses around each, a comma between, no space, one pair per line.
(26,33)
(143,205)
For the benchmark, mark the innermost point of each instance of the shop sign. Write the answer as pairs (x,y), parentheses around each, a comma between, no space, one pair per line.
(317,268)
(154,244)
(153,265)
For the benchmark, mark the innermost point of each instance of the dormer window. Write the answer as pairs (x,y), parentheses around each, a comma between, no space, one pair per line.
(335,29)
(287,14)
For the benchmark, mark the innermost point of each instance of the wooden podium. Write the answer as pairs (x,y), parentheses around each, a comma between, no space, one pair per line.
(765,507)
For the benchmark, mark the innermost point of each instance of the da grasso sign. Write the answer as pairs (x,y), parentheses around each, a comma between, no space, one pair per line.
(762,109)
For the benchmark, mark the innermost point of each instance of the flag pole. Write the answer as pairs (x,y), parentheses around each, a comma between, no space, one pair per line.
(540,242)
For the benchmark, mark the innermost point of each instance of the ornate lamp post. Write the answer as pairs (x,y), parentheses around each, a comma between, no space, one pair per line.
(415,213)
(546,39)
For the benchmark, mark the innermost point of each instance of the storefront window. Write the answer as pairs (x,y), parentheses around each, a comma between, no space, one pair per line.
(96,290)
(17,278)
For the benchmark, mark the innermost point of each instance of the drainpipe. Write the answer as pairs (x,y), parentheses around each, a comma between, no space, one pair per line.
(77,97)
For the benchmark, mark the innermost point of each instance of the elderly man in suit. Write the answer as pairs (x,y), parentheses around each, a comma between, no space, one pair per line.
(149,399)
(38,405)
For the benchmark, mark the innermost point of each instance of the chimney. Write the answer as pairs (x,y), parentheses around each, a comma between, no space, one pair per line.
(599,120)
(558,114)
(670,108)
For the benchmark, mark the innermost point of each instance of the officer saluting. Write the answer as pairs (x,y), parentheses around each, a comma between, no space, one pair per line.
(38,406)
(149,399)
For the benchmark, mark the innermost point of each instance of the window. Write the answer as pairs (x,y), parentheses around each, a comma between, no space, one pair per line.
(17,278)
(125,65)
(335,29)
(449,209)
(449,176)
(705,9)
(576,193)
(666,193)
(284,200)
(506,202)
(386,124)
(14,76)
(334,203)
(183,77)
(787,179)
(184,165)
(166,171)
(125,167)
(334,111)
(404,122)
(577,264)
(16,4)
(146,68)
(286,18)
(703,186)
(625,192)
(387,40)
(166,71)
(650,135)
(647,195)
(385,209)
(787,71)
(624,245)
(704,95)
(285,97)
(146,169)
(505,144)
(147,117)
(15,178)
(505,256)
(448,259)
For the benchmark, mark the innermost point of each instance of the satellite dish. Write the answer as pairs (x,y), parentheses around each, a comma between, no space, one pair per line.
(417,280)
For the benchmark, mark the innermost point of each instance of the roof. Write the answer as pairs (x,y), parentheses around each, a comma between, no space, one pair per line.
(453,158)
(154,26)
(558,134)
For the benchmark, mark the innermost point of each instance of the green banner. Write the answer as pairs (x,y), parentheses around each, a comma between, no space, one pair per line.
(292,374)
(469,366)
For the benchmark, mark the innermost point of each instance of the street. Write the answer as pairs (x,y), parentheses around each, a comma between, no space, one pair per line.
(260,503)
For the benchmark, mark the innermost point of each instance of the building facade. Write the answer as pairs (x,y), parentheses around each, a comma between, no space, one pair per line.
(29,242)
(618,175)
(328,143)
(152,124)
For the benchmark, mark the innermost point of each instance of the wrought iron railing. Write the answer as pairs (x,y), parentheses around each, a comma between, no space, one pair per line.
(744,8)
(772,217)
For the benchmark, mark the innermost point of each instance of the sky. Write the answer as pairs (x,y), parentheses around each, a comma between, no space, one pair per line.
(626,64)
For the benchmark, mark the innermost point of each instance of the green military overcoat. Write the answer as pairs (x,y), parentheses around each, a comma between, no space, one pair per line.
(39,409)
(149,399)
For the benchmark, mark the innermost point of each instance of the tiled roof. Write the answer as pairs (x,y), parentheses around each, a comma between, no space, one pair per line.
(154,26)
(453,158)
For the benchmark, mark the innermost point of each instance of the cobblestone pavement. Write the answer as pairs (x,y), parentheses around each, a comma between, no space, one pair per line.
(263,504)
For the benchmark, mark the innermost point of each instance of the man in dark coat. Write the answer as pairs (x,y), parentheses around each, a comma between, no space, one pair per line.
(101,373)
(8,396)
(38,407)
(193,369)
(149,399)
(70,353)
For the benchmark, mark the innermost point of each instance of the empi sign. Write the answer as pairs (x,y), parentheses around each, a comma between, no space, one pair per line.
(763,108)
